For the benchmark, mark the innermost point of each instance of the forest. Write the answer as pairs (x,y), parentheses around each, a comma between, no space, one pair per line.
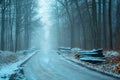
(87,24)
(39,39)
(91,23)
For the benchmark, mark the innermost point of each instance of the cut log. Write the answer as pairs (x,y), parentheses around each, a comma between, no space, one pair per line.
(65,49)
(93,59)
(92,53)
(93,56)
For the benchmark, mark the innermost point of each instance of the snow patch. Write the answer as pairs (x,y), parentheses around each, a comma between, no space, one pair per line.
(111,53)
(10,69)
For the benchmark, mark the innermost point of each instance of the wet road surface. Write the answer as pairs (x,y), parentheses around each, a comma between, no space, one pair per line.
(51,66)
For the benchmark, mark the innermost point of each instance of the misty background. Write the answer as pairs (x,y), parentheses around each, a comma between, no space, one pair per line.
(49,24)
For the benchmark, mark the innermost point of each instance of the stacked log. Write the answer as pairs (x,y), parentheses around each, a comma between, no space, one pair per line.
(92,56)
(64,49)
(88,56)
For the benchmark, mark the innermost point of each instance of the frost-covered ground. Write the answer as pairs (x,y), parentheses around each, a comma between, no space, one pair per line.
(112,58)
(11,64)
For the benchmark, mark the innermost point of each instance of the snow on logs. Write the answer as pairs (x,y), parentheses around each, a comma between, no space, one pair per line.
(64,50)
(93,56)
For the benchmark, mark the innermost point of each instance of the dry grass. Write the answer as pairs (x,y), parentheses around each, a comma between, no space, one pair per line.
(112,62)
(7,57)
(117,68)
(113,59)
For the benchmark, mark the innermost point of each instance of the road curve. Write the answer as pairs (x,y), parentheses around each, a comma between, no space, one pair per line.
(50,66)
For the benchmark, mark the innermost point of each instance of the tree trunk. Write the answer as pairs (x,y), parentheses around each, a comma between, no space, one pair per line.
(110,24)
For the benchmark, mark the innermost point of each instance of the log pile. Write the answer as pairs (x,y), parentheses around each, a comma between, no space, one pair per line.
(94,56)
(64,50)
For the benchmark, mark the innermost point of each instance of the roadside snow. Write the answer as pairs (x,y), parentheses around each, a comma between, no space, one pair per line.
(7,57)
(111,53)
(96,68)
(10,69)
(107,67)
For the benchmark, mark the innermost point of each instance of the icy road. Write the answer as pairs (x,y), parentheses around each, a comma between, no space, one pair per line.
(51,66)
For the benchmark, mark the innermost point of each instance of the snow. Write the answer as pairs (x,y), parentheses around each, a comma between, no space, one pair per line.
(95,68)
(111,53)
(90,51)
(93,58)
(11,68)
(65,48)
(8,57)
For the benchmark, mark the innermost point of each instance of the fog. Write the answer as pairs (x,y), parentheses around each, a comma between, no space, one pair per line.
(44,36)
(48,24)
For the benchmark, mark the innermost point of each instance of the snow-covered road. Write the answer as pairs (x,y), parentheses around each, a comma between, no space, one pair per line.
(50,66)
